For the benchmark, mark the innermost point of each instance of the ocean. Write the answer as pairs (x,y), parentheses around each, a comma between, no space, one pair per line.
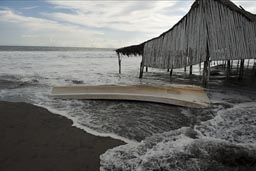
(154,133)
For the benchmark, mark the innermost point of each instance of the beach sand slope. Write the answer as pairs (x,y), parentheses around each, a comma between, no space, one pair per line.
(32,138)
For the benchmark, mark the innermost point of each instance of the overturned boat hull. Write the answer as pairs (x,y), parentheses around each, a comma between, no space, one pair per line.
(180,95)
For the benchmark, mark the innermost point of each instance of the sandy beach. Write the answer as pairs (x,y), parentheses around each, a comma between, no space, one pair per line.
(32,138)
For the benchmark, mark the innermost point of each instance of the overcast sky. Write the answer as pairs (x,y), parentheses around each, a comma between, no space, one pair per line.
(90,23)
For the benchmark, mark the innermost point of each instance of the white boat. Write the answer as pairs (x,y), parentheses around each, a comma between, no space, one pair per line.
(180,95)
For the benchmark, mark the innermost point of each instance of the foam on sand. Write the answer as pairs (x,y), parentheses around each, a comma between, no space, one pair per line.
(86,129)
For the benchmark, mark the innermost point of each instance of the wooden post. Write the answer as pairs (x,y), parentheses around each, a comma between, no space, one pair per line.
(241,72)
(237,67)
(206,72)
(228,69)
(168,70)
(248,63)
(200,66)
(254,67)
(190,69)
(185,68)
(171,73)
(141,67)
(119,62)
(146,68)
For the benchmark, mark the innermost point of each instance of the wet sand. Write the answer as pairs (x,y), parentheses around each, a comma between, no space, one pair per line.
(32,138)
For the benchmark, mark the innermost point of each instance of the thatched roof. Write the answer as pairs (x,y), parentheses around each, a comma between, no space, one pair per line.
(138,49)
(131,50)
(240,10)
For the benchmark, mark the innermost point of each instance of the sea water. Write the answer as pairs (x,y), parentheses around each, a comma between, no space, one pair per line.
(154,132)
(29,76)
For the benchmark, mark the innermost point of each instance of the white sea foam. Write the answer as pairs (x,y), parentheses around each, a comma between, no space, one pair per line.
(149,154)
(236,124)
(86,129)
(175,151)
(220,144)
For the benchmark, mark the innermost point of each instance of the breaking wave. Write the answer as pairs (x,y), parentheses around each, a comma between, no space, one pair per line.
(224,143)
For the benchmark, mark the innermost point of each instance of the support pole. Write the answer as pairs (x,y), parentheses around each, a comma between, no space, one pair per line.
(228,69)
(190,69)
(241,72)
(185,68)
(248,63)
(141,67)
(119,62)
(254,67)
(171,73)
(205,83)
(146,68)
(237,67)
(206,72)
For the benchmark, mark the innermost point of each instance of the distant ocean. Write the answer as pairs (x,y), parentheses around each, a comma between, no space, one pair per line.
(45,48)
(28,74)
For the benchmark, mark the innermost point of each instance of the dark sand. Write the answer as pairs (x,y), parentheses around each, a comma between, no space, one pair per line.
(32,138)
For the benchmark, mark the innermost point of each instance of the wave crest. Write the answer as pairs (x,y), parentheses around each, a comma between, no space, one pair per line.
(215,145)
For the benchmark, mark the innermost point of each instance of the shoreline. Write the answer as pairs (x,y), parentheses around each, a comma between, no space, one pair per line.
(32,138)
(86,129)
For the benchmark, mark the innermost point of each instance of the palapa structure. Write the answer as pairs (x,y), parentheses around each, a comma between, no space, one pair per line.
(212,30)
